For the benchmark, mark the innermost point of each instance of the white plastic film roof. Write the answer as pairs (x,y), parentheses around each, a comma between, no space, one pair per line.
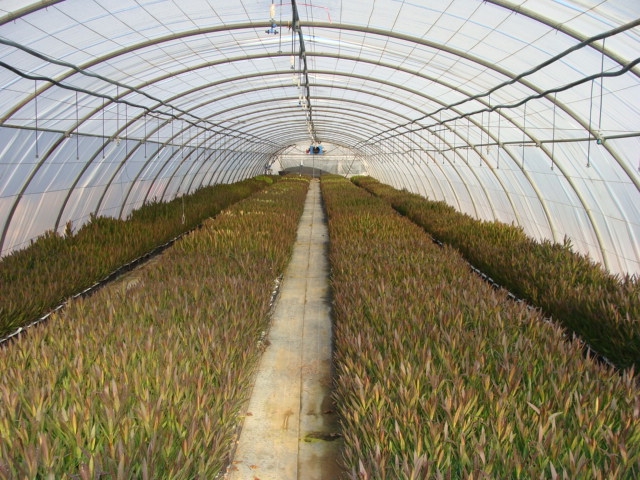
(525,111)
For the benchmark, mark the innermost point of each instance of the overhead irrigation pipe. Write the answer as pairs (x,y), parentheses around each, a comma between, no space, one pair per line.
(305,71)
(493,108)
(149,110)
(535,69)
(77,69)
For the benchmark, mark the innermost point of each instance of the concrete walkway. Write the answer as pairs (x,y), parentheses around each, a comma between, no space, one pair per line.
(290,430)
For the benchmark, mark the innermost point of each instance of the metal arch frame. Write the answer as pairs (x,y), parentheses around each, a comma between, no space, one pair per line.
(141,142)
(534,187)
(525,174)
(167,161)
(41,161)
(229,151)
(480,127)
(517,9)
(124,127)
(380,32)
(405,140)
(393,85)
(296,139)
(235,138)
(153,131)
(421,169)
(34,7)
(514,210)
(289,107)
(339,133)
(384,33)
(462,177)
(198,164)
(489,66)
(467,57)
(448,86)
(211,171)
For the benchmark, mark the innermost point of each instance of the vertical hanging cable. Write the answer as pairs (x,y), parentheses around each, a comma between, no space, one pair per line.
(443,141)
(35,94)
(158,156)
(455,140)
(488,125)
(589,127)
(553,134)
(144,120)
(77,129)
(524,129)
(182,140)
(601,86)
(481,135)
(468,138)
(104,144)
(439,130)
(117,113)
(126,130)
(498,149)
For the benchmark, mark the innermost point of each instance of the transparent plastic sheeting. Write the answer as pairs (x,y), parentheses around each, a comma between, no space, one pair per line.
(526,112)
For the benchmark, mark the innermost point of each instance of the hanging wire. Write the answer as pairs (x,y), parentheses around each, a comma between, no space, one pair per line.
(488,124)
(589,127)
(126,130)
(498,149)
(468,139)
(524,129)
(601,86)
(117,110)
(145,137)
(553,132)
(35,94)
(414,148)
(184,218)
(77,130)
(440,146)
(481,135)
(455,141)
(103,135)
(443,143)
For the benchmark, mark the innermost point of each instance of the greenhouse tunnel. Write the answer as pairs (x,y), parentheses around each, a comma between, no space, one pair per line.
(526,112)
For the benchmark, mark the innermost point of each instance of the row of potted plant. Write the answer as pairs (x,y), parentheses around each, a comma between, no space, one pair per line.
(147,377)
(438,375)
(603,309)
(54,267)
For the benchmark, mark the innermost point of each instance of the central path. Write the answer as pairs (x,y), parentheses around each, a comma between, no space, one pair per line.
(290,430)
